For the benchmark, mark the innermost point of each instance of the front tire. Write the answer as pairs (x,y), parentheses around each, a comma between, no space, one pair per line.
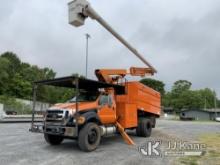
(89,137)
(53,139)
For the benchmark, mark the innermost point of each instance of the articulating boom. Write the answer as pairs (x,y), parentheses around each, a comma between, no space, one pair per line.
(79,10)
(113,75)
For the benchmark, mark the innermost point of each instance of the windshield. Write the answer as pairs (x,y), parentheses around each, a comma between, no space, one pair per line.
(85,97)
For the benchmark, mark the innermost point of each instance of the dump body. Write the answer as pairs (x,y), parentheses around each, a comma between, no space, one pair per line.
(138,97)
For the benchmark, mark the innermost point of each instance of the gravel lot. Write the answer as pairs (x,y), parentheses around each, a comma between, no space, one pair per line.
(188,130)
(18,146)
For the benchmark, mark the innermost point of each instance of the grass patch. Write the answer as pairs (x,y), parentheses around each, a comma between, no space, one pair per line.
(212,155)
(190,160)
(213,144)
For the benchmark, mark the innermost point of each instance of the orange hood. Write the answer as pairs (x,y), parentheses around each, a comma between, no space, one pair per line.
(72,106)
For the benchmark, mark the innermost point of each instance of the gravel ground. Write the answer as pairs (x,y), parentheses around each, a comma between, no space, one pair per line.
(18,146)
(188,130)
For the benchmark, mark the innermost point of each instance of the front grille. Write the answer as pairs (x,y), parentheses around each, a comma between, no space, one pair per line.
(55,116)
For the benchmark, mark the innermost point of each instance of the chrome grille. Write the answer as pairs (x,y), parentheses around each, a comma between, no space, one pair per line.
(55,116)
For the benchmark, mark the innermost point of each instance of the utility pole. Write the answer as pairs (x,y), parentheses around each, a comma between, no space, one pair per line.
(87,52)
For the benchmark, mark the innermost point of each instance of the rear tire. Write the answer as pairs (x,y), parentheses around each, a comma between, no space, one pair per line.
(144,127)
(89,137)
(53,139)
(153,120)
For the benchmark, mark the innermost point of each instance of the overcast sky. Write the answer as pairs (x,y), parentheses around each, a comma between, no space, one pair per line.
(181,38)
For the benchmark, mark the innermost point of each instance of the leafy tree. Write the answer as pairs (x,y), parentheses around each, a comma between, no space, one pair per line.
(218,103)
(191,100)
(155,84)
(180,86)
(16,78)
(181,96)
(78,75)
(4,76)
(58,94)
(208,97)
(14,62)
(19,87)
(167,99)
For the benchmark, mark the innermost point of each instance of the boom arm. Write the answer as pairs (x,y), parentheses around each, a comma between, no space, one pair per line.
(105,75)
(112,75)
(79,10)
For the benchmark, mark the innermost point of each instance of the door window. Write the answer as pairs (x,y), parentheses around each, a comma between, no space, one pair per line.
(105,100)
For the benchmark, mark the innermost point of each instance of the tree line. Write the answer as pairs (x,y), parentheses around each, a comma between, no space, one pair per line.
(182,96)
(16,78)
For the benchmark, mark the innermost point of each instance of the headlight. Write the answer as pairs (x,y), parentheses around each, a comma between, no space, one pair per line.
(81,120)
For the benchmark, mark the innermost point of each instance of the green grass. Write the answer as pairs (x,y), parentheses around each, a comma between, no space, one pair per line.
(190,160)
(213,144)
(212,155)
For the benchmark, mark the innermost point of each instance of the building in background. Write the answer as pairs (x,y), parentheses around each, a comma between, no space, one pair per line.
(196,114)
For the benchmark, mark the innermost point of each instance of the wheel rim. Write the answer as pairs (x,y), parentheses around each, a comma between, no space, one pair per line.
(92,136)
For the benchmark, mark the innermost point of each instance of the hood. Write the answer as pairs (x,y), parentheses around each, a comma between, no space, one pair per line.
(72,106)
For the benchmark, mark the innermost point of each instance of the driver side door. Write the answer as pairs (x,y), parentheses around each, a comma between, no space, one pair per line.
(107,109)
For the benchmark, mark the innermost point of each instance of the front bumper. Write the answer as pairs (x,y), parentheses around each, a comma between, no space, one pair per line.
(61,130)
(55,130)
(57,122)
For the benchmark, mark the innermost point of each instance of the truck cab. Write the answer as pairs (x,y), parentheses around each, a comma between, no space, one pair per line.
(97,106)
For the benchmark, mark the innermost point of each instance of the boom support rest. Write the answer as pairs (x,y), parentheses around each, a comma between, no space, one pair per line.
(124,134)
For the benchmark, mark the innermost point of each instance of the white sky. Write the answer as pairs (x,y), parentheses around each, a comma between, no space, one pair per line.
(179,37)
